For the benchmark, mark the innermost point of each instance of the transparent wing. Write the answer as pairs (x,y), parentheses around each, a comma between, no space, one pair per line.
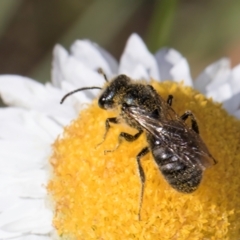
(173,133)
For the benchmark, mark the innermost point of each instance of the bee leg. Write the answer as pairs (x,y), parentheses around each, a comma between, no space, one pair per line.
(126,136)
(107,126)
(143,152)
(193,120)
(169,100)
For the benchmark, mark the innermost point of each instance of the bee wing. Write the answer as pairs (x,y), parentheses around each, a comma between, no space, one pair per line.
(149,121)
(202,151)
(174,134)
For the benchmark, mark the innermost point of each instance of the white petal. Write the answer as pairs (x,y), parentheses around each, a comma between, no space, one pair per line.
(24,209)
(237,114)
(173,66)
(76,75)
(213,76)
(235,79)
(51,105)
(88,54)
(220,93)
(232,104)
(60,56)
(21,124)
(38,223)
(32,184)
(135,54)
(7,200)
(28,184)
(139,72)
(81,99)
(20,91)
(112,63)
(34,237)
(9,235)
(22,156)
(68,68)
(29,94)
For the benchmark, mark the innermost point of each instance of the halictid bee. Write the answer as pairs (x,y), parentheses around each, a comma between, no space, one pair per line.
(177,149)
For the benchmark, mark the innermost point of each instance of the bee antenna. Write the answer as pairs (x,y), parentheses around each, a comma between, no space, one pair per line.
(100,70)
(77,90)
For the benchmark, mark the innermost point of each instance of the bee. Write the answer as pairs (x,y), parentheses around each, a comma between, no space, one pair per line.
(177,149)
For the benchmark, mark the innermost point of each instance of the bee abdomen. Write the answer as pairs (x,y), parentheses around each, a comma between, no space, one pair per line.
(180,173)
(182,177)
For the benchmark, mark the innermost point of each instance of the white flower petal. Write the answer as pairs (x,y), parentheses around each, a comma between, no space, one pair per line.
(38,223)
(32,95)
(25,141)
(22,156)
(20,91)
(213,76)
(60,57)
(112,63)
(33,183)
(135,54)
(232,105)
(68,68)
(237,114)
(139,72)
(24,210)
(89,55)
(228,92)
(9,235)
(80,99)
(173,66)
(220,93)
(28,184)
(22,124)
(51,104)
(33,237)
(77,75)
(7,200)
(234,81)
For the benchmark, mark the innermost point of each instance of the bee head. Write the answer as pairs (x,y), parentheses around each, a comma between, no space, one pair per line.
(112,94)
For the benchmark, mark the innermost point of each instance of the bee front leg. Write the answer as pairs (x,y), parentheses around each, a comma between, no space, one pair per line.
(114,120)
(193,120)
(126,136)
(140,155)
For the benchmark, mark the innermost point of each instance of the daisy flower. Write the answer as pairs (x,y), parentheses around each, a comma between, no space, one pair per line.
(92,195)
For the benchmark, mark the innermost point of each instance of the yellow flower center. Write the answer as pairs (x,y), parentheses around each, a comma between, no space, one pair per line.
(96,194)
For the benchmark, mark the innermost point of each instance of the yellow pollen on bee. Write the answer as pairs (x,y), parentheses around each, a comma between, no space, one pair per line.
(96,194)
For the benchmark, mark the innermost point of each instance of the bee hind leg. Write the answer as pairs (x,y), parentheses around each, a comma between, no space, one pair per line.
(193,120)
(141,154)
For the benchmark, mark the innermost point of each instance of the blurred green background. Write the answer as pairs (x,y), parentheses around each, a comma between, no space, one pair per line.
(202,30)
